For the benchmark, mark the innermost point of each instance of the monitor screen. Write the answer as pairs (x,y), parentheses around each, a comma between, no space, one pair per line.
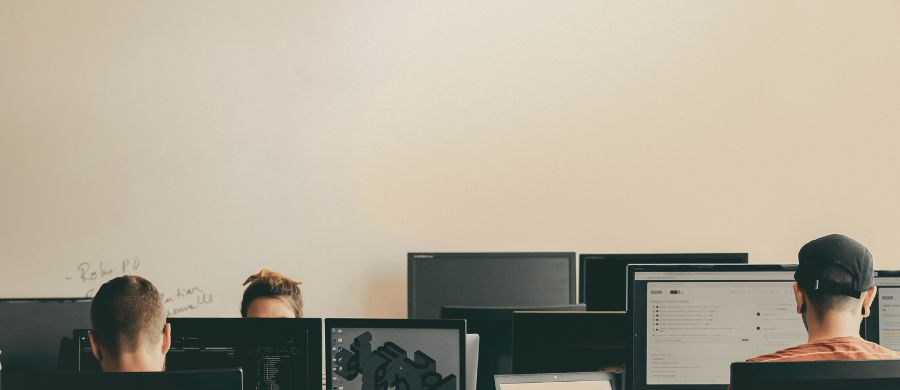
(437,280)
(273,353)
(569,341)
(883,325)
(31,331)
(691,322)
(604,283)
(395,354)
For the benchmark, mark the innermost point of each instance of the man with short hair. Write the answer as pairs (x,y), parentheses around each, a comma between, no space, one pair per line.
(130,333)
(834,290)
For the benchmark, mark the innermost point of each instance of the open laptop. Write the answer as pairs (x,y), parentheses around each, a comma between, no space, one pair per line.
(560,381)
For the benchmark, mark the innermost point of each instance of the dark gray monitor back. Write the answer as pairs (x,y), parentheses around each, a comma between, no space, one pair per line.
(604,281)
(821,375)
(437,280)
(31,330)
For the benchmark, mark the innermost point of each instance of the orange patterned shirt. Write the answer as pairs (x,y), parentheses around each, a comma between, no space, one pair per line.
(838,348)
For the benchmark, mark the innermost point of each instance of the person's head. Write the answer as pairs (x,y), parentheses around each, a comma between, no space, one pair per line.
(835,282)
(271,295)
(129,332)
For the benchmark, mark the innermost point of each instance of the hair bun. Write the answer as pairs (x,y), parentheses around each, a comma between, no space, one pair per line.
(275,277)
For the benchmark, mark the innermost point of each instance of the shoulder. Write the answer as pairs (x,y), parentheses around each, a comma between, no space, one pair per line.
(832,349)
(787,354)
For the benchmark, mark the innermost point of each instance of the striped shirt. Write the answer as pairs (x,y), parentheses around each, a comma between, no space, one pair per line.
(838,348)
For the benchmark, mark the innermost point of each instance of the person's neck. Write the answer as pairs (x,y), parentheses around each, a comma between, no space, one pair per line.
(831,325)
(138,361)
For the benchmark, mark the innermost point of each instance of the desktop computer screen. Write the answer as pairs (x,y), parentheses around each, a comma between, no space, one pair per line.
(367,354)
(604,282)
(276,353)
(883,325)
(438,280)
(690,322)
(32,331)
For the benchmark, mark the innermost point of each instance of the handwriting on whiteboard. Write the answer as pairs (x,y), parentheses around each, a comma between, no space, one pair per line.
(91,275)
(185,300)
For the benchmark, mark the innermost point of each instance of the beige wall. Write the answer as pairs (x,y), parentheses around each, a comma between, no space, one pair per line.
(327,138)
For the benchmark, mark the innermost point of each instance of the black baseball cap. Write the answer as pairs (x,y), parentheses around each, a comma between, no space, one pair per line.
(833,252)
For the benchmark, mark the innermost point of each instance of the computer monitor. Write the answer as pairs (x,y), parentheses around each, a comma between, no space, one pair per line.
(690,322)
(557,381)
(883,325)
(395,354)
(604,282)
(821,375)
(437,280)
(494,326)
(273,352)
(569,341)
(228,379)
(31,330)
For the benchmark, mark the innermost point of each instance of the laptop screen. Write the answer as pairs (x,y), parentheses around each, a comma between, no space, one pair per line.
(561,381)
(691,322)
(579,385)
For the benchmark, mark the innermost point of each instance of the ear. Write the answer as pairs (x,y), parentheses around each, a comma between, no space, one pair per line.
(800,298)
(166,338)
(867,298)
(95,349)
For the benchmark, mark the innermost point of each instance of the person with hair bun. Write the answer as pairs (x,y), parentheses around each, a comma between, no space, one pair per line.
(270,294)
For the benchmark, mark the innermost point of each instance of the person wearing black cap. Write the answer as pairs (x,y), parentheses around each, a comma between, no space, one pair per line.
(834,290)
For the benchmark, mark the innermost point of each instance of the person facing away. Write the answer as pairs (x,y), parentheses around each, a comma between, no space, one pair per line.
(834,290)
(271,295)
(130,333)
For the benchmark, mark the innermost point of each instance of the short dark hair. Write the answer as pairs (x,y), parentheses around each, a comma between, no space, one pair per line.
(824,302)
(124,310)
(268,284)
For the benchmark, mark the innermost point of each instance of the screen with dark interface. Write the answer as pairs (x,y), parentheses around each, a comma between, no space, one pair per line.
(437,280)
(32,331)
(396,354)
(604,283)
(275,353)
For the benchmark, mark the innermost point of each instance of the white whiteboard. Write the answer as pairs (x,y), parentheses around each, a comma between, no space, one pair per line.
(325,139)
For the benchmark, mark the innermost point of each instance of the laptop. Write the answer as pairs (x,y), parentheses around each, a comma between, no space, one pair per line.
(559,381)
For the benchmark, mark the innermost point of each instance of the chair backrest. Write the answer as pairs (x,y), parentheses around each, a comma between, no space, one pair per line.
(856,374)
(228,379)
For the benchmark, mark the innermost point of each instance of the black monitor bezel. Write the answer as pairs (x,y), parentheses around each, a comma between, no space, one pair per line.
(379,323)
(99,379)
(45,300)
(635,334)
(312,327)
(412,257)
(649,258)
